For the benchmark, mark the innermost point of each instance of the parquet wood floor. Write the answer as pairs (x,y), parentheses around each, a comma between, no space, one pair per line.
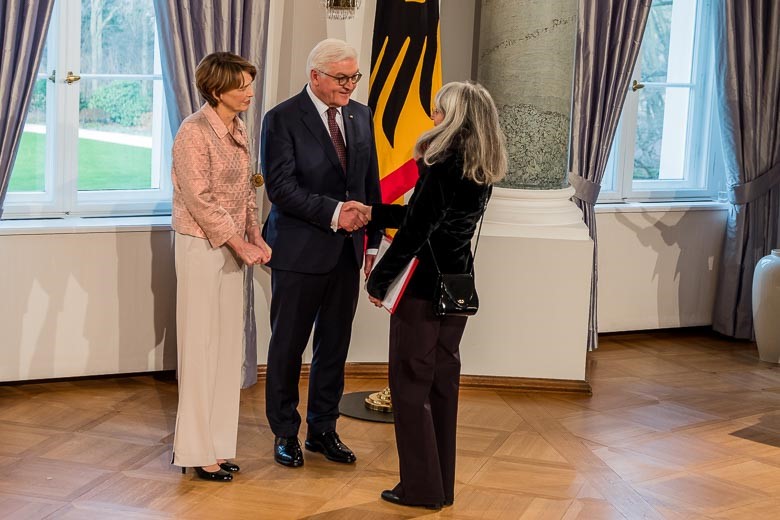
(681,425)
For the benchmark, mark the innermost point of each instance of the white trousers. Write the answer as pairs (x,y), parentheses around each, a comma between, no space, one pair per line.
(209,329)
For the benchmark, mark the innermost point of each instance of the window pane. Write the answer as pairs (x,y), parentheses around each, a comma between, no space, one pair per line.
(115,115)
(661,132)
(117,36)
(115,136)
(649,131)
(667,45)
(29,171)
(655,43)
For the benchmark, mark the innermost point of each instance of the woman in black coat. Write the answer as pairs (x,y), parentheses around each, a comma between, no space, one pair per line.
(459,160)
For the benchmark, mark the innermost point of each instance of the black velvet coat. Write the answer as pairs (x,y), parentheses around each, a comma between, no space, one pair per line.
(444,209)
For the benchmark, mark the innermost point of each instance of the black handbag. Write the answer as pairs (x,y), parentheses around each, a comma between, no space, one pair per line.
(456,294)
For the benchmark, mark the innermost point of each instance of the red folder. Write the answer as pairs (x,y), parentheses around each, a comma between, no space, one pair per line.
(397,287)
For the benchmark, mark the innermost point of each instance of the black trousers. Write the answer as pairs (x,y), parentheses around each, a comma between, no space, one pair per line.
(299,301)
(424,373)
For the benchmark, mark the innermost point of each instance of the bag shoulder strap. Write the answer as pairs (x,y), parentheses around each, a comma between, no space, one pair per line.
(479,232)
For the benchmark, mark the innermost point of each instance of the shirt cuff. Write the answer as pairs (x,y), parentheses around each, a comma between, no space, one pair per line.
(334,220)
(372,251)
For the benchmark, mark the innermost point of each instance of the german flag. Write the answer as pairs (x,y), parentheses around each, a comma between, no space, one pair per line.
(405,75)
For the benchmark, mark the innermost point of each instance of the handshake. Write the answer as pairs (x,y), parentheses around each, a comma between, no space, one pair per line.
(354,215)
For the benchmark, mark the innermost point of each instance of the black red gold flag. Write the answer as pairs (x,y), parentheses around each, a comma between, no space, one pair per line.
(405,75)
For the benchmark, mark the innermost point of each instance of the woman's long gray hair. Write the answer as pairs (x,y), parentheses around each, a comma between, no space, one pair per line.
(471,124)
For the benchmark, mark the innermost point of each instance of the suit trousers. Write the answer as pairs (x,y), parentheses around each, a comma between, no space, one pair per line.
(209,327)
(424,374)
(300,301)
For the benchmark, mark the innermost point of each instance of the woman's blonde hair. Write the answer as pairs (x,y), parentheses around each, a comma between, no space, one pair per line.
(220,72)
(471,125)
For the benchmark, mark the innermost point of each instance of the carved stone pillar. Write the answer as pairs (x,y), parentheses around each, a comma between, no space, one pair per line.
(526,61)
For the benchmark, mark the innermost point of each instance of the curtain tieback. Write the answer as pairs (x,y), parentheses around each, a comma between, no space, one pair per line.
(751,190)
(585,190)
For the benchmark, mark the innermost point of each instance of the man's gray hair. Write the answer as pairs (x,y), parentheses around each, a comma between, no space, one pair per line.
(329,51)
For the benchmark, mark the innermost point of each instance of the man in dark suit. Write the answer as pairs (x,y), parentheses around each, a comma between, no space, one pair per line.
(319,161)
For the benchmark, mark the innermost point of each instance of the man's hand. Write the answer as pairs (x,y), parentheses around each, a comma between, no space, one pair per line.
(353,215)
(368,264)
(376,301)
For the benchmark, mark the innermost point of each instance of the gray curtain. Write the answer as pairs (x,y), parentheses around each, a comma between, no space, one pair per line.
(189,30)
(609,35)
(747,46)
(23,28)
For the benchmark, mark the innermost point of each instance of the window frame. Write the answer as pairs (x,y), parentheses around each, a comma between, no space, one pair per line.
(703,172)
(61,196)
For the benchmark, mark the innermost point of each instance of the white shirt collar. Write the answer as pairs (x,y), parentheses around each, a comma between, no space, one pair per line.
(322,108)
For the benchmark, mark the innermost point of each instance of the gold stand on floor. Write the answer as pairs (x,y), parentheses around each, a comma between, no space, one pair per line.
(380,401)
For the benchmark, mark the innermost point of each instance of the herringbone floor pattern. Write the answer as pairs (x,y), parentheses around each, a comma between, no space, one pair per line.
(680,425)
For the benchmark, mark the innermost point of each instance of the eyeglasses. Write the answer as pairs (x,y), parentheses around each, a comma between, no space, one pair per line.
(342,80)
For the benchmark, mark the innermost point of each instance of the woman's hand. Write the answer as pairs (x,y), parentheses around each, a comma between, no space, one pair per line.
(248,252)
(376,301)
(256,238)
(368,264)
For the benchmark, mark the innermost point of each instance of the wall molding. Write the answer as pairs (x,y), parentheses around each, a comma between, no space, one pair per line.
(376,371)
(518,384)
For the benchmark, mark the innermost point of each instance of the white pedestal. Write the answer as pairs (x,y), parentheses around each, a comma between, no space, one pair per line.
(533,274)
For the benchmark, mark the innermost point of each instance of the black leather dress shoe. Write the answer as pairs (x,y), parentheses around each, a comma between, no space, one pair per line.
(229,466)
(391,497)
(287,452)
(330,444)
(220,475)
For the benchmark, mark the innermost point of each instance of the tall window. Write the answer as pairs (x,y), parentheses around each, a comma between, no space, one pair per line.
(662,147)
(95,134)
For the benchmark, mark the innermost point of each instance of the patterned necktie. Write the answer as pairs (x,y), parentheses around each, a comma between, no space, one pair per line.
(338,140)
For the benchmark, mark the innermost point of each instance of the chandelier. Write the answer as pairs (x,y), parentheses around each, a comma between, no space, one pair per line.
(341,9)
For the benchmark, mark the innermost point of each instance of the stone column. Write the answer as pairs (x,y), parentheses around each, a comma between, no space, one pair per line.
(526,61)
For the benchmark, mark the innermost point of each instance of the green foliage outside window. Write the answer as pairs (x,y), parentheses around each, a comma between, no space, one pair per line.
(121,102)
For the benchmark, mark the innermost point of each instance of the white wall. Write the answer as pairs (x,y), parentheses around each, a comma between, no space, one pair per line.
(86,303)
(295,26)
(658,268)
(103,302)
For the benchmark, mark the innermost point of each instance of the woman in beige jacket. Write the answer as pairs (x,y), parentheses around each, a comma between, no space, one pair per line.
(217,233)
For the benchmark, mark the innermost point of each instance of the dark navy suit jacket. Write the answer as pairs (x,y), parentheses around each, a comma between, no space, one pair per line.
(305,181)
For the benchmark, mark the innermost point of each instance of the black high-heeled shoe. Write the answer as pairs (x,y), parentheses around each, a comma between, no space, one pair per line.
(220,475)
(229,466)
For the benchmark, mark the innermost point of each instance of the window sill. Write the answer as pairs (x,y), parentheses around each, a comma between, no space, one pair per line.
(75,225)
(647,207)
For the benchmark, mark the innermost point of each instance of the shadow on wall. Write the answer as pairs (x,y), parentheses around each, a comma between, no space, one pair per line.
(163,287)
(86,304)
(682,267)
(146,294)
(36,281)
